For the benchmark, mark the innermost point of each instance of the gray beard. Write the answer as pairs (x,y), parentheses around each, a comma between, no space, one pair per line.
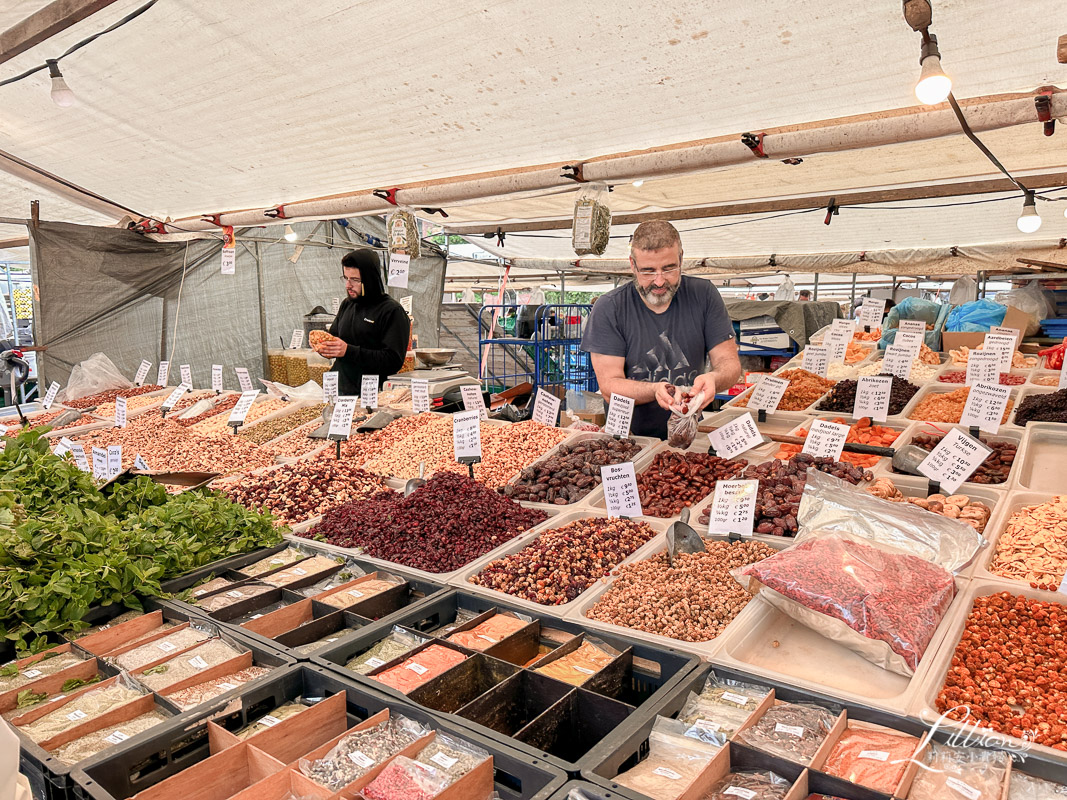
(658,301)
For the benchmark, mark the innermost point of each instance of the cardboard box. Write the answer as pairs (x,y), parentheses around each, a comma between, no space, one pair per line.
(1014,318)
(776,338)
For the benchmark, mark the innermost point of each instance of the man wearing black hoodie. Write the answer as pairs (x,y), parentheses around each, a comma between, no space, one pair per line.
(373,327)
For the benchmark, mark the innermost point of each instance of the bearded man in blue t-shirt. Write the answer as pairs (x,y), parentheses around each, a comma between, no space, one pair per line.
(662,328)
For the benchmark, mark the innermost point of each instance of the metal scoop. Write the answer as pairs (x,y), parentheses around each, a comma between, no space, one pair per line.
(65,418)
(681,538)
(323,430)
(907,459)
(415,483)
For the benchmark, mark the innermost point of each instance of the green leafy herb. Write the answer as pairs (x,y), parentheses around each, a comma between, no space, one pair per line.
(158,670)
(77,683)
(9,670)
(27,698)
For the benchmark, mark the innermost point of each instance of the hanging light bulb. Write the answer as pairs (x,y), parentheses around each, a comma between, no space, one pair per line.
(934,85)
(62,96)
(1029,221)
(290,234)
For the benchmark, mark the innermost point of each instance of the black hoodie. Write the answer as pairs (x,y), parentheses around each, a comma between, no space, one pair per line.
(374,326)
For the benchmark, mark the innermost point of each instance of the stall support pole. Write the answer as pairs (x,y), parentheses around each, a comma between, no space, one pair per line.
(815,294)
(11,299)
(262,311)
(562,287)
(853,305)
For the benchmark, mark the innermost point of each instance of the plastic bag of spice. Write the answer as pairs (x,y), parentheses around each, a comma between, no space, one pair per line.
(591,228)
(711,722)
(762,785)
(673,763)
(793,731)
(1027,787)
(360,751)
(398,642)
(452,756)
(731,693)
(953,772)
(404,779)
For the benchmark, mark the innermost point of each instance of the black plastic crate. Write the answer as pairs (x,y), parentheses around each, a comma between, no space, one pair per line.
(642,679)
(216,568)
(145,761)
(52,776)
(626,746)
(584,790)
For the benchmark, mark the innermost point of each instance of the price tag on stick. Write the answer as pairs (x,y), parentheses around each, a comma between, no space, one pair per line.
(546,408)
(114,460)
(368,391)
(871,312)
(296,341)
(826,439)
(240,411)
(815,359)
(329,386)
(473,400)
(120,412)
(911,341)
(175,396)
(163,373)
(140,463)
(335,304)
(983,366)
(767,393)
(243,379)
(898,361)
(63,447)
(216,377)
(142,372)
(79,457)
(620,490)
(733,508)
(99,463)
(420,395)
(985,406)
(50,398)
(911,326)
(1003,345)
(836,342)
(736,437)
(341,421)
(1012,332)
(467,435)
(872,398)
(954,460)
(187,375)
(620,414)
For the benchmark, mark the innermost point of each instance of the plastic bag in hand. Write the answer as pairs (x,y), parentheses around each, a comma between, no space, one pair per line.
(683,424)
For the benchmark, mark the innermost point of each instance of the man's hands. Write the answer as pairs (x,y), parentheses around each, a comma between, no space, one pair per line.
(705,383)
(334,348)
(663,397)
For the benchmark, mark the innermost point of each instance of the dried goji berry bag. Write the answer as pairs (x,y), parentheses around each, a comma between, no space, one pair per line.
(867,573)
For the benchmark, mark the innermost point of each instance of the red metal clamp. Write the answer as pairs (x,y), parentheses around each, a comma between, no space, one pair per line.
(148,226)
(278,212)
(832,210)
(1043,103)
(214,219)
(754,142)
(388,195)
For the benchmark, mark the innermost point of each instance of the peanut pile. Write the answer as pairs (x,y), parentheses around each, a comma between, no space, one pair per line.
(693,601)
(272,429)
(218,423)
(296,443)
(110,395)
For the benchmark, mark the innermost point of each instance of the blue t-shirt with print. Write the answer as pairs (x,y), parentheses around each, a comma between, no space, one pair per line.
(672,346)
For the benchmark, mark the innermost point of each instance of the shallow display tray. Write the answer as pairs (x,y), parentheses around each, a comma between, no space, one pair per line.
(896,423)
(733,404)
(766,642)
(1018,373)
(1054,374)
(591,598)
(462,582)
(945,388)
(648,445)
(436,577)
(1040,458)
(1007,433)
(923,702)
(1012,503)
(780,422)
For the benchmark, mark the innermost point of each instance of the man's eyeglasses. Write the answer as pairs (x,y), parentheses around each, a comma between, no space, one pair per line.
(645,272)
(352,281)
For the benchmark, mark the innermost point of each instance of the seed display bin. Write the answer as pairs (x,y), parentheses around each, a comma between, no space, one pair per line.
(199,753)
(499,692)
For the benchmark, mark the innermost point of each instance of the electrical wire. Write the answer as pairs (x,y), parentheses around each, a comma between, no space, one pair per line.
(980,144)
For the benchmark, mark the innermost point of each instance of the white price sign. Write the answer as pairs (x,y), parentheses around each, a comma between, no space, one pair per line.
(216,377)
(142,372)
(736,437)
(420,395)
(329,386)
(399,267)
(620,490)
(163,373)
(240,411)
(872,398)
(175,396)
(871,312)
(815,359)
(335,304)
(473,401)
(620,413)
(50,398)
(836,343)
(341,421)
(954,460)
(100,463)
(114,460)
(140,463)
(911,326)
(368,391)
(1002,345)
(79,457)
(467,434)
(897,361)
(985,406)
(120,412)
(733,508)
(296,341)
(405,303)
(826,439)
(546,408)
(229,260)
(243,379)
(909,340)
(983,366)
(1014,333)
(767,394)
(844,325)
(63,447)
(187,375)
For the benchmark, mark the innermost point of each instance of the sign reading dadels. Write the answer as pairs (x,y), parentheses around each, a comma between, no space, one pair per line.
(620,414)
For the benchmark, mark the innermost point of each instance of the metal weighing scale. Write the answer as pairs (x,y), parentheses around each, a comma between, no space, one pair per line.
(440,380)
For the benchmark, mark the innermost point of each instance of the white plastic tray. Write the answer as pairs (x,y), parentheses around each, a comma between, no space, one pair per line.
(1011,503)
(764,641)
(945,388)
(896,423)
(1041,458)
(1006,433)
(461,581)
(1027,392)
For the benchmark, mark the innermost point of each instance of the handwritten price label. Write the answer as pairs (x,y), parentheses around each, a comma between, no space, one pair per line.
(50,398)
(871,312)
(163,373)
(142,372)
(985,406)
(983,366)
(120,412)
(911,326)
(872,398)
(341,421)
(368,391)
(767,393)
(399,269)
(815,359)
(240,411)
(420,395)
(114,460)
(296,341)
(546,408)
(473,400)
(620,490)
(826,439)
(243,379)
(329,386)
(898,361)
(1003,345)
(954,460)
(187,375)
(620,414)
(216,377)
(736,437)
(733,508)
(467,434)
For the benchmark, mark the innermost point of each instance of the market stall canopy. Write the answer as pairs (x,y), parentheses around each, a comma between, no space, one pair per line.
(303,101)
